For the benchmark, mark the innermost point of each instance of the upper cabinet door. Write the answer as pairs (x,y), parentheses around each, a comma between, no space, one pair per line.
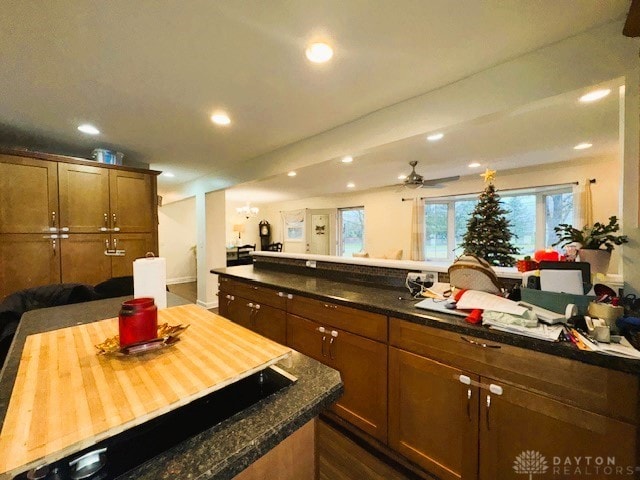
(132,202)
(84,198)
(28,195)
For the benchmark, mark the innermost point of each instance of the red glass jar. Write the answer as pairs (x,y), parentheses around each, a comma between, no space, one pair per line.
(138,321)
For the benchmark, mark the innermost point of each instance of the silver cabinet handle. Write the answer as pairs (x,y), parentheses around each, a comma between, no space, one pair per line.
(106,243)
(289,296)
(115,220)
(53,244)
(53,219)
(64,229)
(469,403)
(487,411)
(256,306)
(465,379)
(105,227)
(323,331)
(479,344)
(281,294)
(496,389)
(115,243)
(250,305)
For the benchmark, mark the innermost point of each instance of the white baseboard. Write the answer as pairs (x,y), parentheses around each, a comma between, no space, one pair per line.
(173,281)
(207,305)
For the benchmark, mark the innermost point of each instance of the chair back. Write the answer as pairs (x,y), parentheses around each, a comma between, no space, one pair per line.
(275,247)
(244,251)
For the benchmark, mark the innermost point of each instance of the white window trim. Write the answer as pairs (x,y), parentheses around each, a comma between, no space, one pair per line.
(539,192)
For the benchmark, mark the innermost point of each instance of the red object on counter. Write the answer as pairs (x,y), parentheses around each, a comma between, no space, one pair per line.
(547,255)
(138,321)
(475,316)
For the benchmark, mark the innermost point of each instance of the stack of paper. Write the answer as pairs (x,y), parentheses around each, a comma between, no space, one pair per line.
(622,349)
(550,333)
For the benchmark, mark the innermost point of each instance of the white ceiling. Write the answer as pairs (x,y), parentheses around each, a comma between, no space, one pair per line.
(149,74)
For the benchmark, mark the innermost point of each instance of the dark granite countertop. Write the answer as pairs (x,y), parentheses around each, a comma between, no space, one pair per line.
(225,449)
(399,304)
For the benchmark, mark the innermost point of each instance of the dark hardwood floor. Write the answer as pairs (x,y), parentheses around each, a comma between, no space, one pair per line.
(341,458)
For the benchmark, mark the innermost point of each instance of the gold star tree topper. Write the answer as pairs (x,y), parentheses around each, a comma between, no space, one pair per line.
(488,175)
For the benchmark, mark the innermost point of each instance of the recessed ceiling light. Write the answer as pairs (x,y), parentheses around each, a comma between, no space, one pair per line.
(319,52)
(401,177)
(435,137)
(347,159)
(351,185)
(582,146)
(168,174)
(220,118)
(90,129)
(292,174)
(474,165)
(595,95)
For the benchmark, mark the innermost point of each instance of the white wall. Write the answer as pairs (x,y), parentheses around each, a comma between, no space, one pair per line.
(176,237)
(388,219)
(251,235)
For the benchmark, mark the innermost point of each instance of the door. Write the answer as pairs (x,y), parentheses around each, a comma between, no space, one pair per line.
(524,433)
(362,363)
(270,322)
(28,196)
(321,231)
(433,416)
(239,311)
(84,198)
(29,260)
(304,336)
(128,247)
(132,206)
(83,258)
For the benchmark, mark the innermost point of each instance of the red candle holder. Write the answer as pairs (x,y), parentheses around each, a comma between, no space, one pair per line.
(137,321)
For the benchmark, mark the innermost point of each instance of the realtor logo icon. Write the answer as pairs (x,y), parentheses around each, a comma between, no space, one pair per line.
(530,462)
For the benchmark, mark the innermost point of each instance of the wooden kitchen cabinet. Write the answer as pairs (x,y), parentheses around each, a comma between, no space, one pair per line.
(518,421)
(28,195)
(525,401)
(362,363)
(27,260)
(112,200)
(262,318)
(433,415)
(71,208)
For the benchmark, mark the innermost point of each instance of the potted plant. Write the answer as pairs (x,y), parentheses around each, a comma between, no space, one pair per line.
(595,243)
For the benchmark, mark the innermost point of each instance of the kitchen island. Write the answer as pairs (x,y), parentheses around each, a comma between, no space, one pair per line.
(223,450)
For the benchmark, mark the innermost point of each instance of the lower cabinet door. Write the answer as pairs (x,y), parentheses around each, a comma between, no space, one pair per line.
(362,364)
(239,312)
(133,245)
(270,322)
(28,260)
(303,336)
(83,258)
(523,434)
(433,416)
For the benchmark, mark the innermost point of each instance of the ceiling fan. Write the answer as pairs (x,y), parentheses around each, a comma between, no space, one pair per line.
(415,180)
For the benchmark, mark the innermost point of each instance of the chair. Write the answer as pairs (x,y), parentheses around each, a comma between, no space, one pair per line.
(274,247)
(243,255)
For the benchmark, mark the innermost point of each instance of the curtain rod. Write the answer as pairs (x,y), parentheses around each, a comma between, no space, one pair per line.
(591,180)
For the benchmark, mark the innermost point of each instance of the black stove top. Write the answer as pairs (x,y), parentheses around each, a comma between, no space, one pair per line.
(118,454)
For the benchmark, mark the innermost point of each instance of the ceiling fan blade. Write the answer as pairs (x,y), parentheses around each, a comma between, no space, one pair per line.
(632,25)
(436,182)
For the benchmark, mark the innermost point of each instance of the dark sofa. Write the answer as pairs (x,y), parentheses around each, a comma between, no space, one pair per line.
(14,305)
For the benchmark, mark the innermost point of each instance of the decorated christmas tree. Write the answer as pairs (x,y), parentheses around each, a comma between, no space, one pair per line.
(488,235)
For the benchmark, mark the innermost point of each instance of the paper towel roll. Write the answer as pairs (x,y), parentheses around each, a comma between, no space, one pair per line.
(150,279)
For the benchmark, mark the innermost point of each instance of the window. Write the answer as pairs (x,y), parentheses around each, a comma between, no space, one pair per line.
(532,213)
(350,230)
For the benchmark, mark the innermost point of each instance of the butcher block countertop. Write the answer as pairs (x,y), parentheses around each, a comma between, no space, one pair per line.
(65,397)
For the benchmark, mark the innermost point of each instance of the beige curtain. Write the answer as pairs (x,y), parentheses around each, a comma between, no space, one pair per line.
(583,213)
(417,230)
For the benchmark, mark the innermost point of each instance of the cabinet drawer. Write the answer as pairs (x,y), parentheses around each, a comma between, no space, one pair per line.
(593,388)
(256,293)
(367,324)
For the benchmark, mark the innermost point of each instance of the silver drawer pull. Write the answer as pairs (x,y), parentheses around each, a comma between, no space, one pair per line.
(495,389)
(289,296)
(479,344)
(465,379)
